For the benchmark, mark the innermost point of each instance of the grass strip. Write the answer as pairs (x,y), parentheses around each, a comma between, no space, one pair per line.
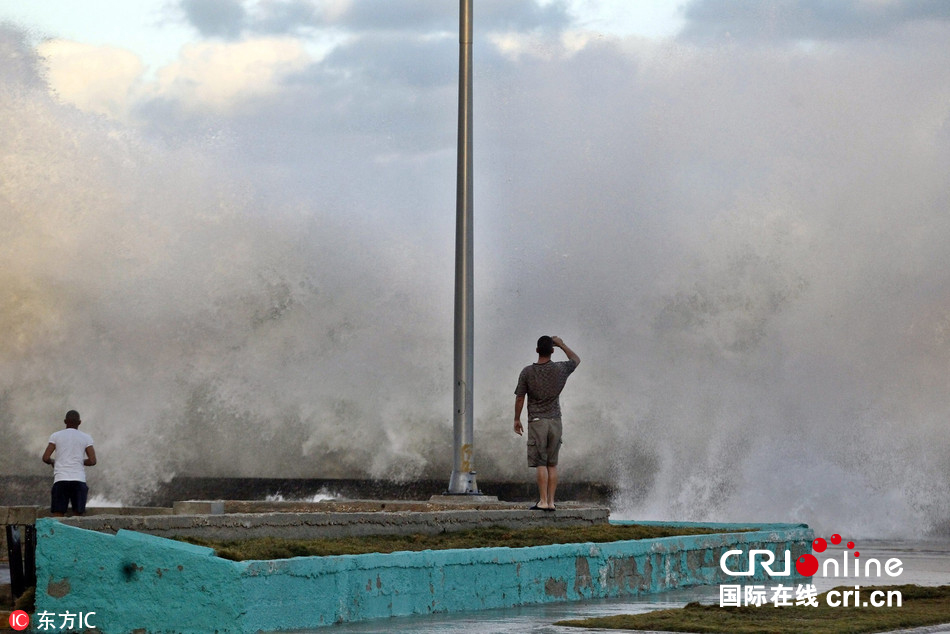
(921,605)
(487,537)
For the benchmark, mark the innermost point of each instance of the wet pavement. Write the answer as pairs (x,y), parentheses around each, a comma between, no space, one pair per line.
(529,619)
(923,563)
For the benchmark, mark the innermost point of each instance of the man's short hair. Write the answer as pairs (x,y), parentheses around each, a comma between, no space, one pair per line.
(72,416)
(545,346)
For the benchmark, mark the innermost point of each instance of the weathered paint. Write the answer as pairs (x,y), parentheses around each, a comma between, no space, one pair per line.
(135,581)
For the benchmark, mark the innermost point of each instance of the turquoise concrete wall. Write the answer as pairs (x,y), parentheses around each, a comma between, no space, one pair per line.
(135,581)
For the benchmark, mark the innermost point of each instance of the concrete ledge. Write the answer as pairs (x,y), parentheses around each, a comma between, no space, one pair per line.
(27,515)
(337,524)
(435,503)
(19,514)
(460,500)
(140,582)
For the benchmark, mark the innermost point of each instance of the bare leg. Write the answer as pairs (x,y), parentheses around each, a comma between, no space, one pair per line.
(543,486)
(552,484)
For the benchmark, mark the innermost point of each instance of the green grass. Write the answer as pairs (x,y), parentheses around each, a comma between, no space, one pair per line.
(921,606)
(492,536)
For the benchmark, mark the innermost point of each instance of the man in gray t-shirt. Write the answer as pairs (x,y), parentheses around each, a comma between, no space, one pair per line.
(542,383)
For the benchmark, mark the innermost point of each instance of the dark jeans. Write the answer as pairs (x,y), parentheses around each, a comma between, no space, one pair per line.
(66,492)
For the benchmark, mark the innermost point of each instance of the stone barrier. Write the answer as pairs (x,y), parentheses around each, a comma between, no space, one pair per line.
(131,581)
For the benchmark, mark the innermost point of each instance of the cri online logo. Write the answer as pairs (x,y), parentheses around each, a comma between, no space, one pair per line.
(19,620)
(807,565)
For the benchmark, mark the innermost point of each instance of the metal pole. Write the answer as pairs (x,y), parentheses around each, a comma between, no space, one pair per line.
(463,474)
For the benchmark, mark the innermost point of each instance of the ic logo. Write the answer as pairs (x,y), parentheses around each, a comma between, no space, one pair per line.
(19,620)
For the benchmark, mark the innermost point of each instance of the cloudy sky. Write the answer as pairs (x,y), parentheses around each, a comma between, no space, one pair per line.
(228,231)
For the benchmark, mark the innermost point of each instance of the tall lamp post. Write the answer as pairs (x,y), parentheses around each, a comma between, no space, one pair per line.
(462,481)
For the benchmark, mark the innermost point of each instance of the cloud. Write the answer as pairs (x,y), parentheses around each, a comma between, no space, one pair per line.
(98,79)
(219,76)
(798,20)
(399,45)
(435,15)
(229,18)
(224,18)
(208,77)
(396,60)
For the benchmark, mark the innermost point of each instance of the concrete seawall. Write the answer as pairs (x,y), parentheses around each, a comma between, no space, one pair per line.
(133,581)
(23,490)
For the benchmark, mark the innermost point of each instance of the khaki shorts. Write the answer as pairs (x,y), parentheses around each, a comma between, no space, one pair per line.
(544,442)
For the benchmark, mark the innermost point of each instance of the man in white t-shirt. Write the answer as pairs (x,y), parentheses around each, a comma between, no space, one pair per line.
(74,452)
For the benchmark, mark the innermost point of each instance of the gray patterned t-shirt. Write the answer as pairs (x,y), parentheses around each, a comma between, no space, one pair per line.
(543,382)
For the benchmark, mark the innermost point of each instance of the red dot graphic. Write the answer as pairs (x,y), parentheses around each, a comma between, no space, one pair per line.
(819,545)
(836,539)
(857,554)
(850,544)
(806,565)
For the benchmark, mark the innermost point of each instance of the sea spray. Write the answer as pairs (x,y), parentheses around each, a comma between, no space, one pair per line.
(748,253)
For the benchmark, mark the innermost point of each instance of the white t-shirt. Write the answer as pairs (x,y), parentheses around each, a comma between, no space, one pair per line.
(69,455)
